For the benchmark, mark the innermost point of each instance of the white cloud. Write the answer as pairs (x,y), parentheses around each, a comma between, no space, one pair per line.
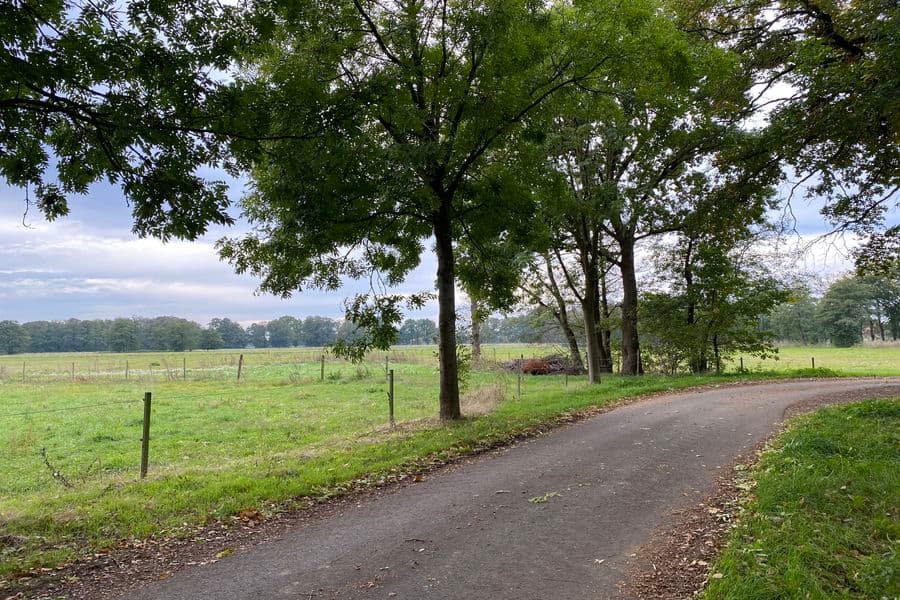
(86,269)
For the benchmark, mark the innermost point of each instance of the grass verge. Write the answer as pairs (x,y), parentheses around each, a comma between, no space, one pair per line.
(824,520)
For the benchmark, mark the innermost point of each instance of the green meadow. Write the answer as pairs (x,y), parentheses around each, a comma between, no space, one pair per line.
(291,430)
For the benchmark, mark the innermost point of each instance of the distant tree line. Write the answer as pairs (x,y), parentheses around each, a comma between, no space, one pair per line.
(853,309)
(175,334)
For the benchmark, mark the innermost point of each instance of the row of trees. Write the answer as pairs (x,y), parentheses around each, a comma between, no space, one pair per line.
(852,309)
(176,334)
(517,137)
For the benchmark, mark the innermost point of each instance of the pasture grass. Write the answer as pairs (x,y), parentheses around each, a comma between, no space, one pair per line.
(856,361)
(70,448)
(824,521)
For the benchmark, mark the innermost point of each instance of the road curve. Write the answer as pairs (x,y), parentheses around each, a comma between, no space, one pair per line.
(557,516)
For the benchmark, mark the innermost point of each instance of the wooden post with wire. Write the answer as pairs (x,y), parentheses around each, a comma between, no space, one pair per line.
(145,439)
(184,368)
(520,370)
(391,396)
(73,371)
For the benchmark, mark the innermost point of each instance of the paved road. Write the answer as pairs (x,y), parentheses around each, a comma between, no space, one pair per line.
(528,522)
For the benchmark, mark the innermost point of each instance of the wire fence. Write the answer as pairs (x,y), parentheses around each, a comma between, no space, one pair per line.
(193,366)
(79,442)
(283,404)
(201,365)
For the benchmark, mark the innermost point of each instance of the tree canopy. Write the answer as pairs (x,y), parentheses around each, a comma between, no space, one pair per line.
(90,93)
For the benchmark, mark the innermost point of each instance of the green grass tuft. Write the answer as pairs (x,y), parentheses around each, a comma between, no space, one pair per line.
(825,518)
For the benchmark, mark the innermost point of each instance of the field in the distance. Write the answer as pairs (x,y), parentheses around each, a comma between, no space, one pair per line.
(70,444)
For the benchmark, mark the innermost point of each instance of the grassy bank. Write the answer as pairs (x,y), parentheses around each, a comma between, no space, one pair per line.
(824,521)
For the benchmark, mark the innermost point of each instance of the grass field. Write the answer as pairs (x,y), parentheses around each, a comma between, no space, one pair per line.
(70,446)
(825,519)
(859,360)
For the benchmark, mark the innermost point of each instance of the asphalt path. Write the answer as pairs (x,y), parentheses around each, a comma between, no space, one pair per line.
(559,516)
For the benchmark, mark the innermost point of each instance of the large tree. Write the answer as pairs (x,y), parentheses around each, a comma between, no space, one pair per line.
(14,338)
(124,335)
(284,332)
(642,157)
(405,108)
(844,310)
(233,335)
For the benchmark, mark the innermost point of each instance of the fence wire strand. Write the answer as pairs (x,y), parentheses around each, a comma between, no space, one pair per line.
(67,408)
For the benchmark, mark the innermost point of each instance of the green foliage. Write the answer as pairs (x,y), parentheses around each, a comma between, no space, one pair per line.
(211,339)
(378,318)
(713,311)
(394,122)
(844,311)
(417,331)
(14,338)
(796,321)
(233,335)
(257,335)
(317,331)
(284,332)
(124,336)
(175,334)
(838,128)
(824,513)
(94,91)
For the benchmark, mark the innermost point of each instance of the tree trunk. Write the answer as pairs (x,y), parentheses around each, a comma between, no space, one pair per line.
(562,316)
(631,348)
(698,354)
(605,332)
(590,306)
(476,329)
(716,353)
(446,285)
(871,330)
(593,340)
(880,323)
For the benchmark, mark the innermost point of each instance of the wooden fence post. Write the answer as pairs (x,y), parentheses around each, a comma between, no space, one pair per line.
(73,370)
(813,362)
(240,366)
(126,370)
(145,440)
(391,396)
(742,364)
(322,369)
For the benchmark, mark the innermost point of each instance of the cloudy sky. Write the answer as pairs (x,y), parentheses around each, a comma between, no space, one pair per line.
(89,265)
